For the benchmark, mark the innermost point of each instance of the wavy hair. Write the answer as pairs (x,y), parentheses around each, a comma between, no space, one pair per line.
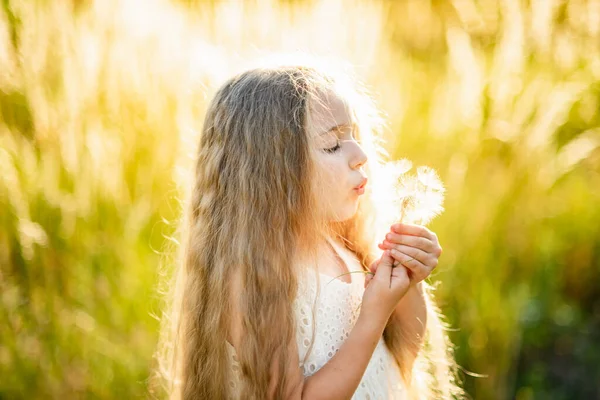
(251,212)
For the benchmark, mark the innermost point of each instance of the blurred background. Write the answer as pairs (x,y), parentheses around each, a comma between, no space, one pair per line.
(100,105)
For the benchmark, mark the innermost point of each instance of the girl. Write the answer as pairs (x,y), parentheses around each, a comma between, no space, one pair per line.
(265,305)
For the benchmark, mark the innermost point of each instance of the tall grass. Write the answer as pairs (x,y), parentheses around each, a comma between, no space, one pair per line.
(100,105)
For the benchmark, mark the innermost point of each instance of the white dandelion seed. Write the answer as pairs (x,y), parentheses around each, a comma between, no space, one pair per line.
(415,199)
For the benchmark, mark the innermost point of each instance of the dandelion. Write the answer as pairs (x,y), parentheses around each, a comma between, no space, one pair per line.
(414,199)
(418,198)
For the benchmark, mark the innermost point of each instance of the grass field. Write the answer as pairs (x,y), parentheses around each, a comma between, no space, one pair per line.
(100,105)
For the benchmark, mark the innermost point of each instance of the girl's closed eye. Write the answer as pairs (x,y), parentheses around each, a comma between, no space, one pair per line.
(338,143)
(334,148)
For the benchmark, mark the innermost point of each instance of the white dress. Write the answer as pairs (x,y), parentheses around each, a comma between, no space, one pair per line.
(336,313)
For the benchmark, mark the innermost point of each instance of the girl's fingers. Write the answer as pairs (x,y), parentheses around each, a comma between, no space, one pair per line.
(400,271)
(417,269)
(418,254)
(368,278)
(406,260)
(415,230)
(373,266)
(409,240)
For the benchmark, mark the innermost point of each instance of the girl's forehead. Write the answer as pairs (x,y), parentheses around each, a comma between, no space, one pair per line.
(327,111)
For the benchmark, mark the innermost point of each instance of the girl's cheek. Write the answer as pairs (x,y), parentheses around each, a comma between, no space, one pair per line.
(329,170)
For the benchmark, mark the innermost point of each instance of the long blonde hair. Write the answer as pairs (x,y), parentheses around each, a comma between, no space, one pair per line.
(251,212)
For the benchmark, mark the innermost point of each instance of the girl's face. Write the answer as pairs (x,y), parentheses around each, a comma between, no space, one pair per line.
(339,157)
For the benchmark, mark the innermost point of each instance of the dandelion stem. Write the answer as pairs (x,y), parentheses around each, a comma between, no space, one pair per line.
(352,272)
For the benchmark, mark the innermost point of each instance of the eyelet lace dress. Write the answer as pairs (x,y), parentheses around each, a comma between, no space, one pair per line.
(336,312)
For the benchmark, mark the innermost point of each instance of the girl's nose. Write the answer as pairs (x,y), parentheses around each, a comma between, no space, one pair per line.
(359,159)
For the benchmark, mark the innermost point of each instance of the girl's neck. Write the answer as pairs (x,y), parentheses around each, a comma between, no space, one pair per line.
(324,252)
(331,259)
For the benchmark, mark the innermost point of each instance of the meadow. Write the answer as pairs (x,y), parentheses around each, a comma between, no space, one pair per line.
(101,103)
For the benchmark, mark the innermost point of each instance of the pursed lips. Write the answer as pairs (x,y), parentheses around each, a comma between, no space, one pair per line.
(361,186)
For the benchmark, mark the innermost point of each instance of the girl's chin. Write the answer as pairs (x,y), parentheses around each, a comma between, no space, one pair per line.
(348,213)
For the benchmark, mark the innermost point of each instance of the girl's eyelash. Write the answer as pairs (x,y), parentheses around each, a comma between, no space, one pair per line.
(337,146)
(333,149)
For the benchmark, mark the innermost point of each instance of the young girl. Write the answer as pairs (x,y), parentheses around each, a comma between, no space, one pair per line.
(266,304)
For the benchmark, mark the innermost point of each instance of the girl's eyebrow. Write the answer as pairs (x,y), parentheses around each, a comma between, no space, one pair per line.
(338,127)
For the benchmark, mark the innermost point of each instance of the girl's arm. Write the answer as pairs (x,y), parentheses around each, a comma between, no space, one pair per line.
(418,249)
(339,377)
(411,311)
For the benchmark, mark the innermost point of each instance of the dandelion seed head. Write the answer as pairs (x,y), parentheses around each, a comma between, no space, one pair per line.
(428,177)
(409,198)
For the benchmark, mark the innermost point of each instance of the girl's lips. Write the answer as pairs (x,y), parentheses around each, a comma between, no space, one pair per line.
(360,189)
(362,184)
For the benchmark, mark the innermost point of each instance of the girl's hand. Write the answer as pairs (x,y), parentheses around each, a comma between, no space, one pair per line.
(415,247)
(386,288)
